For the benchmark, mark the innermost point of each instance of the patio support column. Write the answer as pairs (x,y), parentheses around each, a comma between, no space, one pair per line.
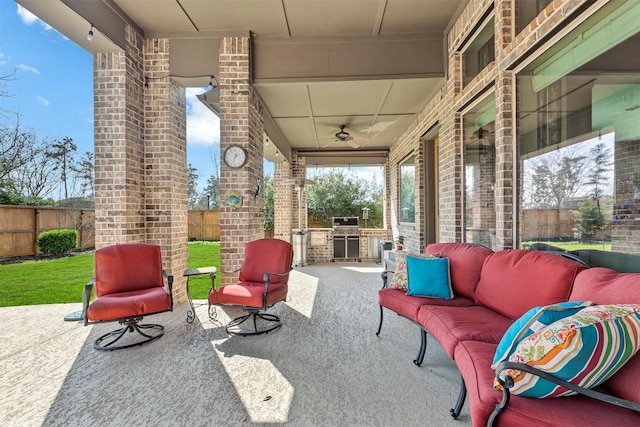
(140,152)
(241,124)
(119,144)
(505,140)
(282,202)
(165,160)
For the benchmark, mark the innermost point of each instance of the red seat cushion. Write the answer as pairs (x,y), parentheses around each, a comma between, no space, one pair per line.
(408,306)
(129,304)
(474,358)
(450,325)
(513,281)
(248,294)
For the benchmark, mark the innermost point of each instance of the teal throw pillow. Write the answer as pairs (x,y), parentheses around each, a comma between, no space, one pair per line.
(429,277)
(532,321)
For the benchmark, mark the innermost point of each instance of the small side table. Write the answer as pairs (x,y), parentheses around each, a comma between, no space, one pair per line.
(188,273)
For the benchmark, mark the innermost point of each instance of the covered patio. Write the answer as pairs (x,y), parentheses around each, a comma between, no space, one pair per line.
(325,366)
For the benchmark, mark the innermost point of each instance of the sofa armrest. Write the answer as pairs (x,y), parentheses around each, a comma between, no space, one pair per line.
(507,383)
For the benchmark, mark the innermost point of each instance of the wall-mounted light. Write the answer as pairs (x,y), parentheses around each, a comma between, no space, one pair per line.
(90,34)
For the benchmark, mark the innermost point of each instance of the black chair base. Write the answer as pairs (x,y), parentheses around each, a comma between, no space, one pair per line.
(273,323)
(106,342)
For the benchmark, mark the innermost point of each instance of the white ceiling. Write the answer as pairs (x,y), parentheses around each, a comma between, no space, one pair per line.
(371,65)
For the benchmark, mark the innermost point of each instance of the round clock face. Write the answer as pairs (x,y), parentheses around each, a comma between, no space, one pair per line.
(235,156)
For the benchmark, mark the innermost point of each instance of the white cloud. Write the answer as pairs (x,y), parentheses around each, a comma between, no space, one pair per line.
(2,60)
(44,101)
(203,127)
(27,68)
(29,18)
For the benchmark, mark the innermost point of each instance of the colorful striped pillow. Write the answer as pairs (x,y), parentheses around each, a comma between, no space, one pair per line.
(584,349)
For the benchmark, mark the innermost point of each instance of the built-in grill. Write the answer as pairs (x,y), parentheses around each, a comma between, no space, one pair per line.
(346,238)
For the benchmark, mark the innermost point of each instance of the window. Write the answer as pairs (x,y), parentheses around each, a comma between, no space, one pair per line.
(407,190)
(480,174)
(480,52)
(527,10)
(579,131)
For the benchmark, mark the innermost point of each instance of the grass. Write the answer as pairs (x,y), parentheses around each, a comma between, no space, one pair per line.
(62,280)
(574,246)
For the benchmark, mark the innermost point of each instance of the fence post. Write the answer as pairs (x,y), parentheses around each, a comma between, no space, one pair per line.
(36,221)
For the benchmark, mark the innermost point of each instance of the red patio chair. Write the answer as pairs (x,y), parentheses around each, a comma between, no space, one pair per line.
(262,282)
(129,284)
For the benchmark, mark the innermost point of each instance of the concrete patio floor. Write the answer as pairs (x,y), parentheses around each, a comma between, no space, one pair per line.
(325,366)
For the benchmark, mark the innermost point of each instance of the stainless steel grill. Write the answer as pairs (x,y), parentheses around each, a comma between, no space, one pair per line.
(346,238)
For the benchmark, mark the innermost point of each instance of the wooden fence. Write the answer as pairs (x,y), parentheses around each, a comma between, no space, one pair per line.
(21,225)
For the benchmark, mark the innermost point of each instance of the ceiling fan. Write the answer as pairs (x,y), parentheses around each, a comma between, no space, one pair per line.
(344,136)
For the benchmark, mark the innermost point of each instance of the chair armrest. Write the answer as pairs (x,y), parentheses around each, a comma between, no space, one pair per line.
(507,383)
(385,276)
(267,280)
(86,297)
(169,279)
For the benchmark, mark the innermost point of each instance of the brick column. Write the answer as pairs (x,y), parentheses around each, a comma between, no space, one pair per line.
(165,143)
(505,139)
(241,124)
(282,202)
(119,145)
(140,152)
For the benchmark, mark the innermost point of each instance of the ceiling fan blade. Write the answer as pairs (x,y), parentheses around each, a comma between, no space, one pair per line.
(352,143)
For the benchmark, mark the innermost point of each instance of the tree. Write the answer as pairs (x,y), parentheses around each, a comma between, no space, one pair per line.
(83,171)
(211,194)
(62,152)
(267,191)
(598,178)
(338,193)
(555,178)
(192,187)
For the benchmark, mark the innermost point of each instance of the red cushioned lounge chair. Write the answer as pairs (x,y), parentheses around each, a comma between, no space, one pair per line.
(129,283)
(262,282)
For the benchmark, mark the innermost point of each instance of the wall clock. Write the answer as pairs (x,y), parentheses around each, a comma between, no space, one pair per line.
(235,156)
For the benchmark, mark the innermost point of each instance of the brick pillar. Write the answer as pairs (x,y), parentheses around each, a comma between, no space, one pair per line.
(282,202)
(119,146)
(505,136)
(165,143)
(140,152)
(241,124)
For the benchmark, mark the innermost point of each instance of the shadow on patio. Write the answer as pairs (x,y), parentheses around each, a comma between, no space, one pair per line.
(325,366)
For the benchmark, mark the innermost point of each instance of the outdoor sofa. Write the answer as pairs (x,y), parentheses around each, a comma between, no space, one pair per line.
(493,295)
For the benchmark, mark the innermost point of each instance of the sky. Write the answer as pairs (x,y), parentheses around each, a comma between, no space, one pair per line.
(53,89)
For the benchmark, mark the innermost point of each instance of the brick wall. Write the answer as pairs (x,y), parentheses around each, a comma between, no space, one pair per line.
(454,98)
(282,202)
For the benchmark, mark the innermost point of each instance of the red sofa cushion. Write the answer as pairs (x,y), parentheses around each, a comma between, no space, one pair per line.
(465,264)
(450,325)
(473,358)
(513,281)
(127,267)
(129,304)
(408,306)
(606,286)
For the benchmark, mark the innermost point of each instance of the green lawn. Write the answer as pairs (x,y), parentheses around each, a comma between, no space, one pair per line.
(574,246)
(62,280)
